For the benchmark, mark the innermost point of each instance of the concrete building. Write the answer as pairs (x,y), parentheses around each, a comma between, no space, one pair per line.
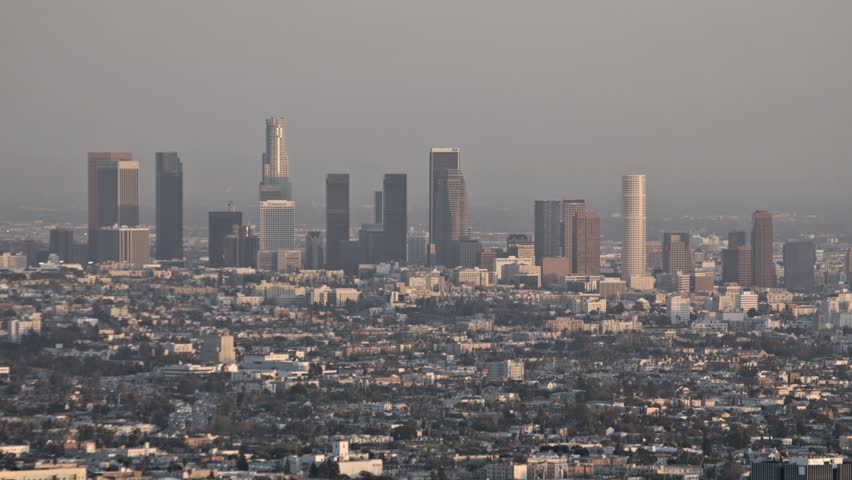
(763,265)
(506,370)
(737,265)
(217,348)
(679,309)
(586,248)
(677,254)
(277,225)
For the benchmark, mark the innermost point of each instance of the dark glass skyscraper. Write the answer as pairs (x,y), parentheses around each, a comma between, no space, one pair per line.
(219,225)
(799,264)
(378,214)
(62,243)
(548,229)
(395,215)
(763,266)
(169,208)
(336,217)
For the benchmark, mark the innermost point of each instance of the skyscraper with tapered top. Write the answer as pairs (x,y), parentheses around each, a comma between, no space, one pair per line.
(275,183)
(633,256)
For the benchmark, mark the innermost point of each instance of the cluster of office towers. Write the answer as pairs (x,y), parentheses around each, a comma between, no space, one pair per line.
(114,233)
(566,237)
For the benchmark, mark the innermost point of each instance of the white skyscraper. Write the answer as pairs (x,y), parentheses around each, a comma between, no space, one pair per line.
(633,249)
(277,219)
(275,184)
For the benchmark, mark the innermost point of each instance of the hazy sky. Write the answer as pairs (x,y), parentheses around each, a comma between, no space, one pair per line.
(728,106)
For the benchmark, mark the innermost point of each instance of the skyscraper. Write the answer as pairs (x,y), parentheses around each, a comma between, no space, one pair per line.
(763,266)
(62,243)
(738,238)
(113,193)
(314,258)
(275,183)
(169,214)
(452,221)
(799,263)
(736,265)
(570,208)
(440,158)
(378,214)
(418,249)
(219,225)
(633,211)
(241,247)
(677,255)
(395,215)
(336,216)
(587,243)
(276,225)
(548,229)
(371,241)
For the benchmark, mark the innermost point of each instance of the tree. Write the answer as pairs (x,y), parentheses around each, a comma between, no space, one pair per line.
(242,463)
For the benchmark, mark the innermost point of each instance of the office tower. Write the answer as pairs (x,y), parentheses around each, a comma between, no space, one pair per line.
(130,245)
(378,214)
(799,265)
(439,159)
(350,256)
(217,348)
(514,239)
(586,241)
(113,193)
(848,265)
(702,282)
(679,309)
(277,220)
(737,238)
(763,266)
(395,215)
(469,252)
(62,243)
(314,258)
(219,225)
(371,240)
(570,208)
(633,211)
(548,229)
(452,221)
(418,249)
(336,216)
(241,247)
(524,250)
(169,207)
(736,266)
(677,255)
(275,183)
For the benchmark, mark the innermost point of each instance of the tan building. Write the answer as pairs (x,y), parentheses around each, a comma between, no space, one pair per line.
(65,473)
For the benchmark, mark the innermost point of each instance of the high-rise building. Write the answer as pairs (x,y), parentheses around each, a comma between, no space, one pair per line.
(378,214)
(469,252)
(736,265)
(129,245)
(395,215)
(336,216)
(217,348)
(241,247)
(62,243)
(522,249)
(277,220)
(586,240)
(113,193)
(570,208)
(275,183)
(548,229)
(488,258)
(440,159)
(633,212)
(219,225)
(371,240)
(418,249)
(737,238)
(848,265)
(314,258)
(811,467)
(452,221)
(799,265)
(677,255)
(763,265)
(169,207)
